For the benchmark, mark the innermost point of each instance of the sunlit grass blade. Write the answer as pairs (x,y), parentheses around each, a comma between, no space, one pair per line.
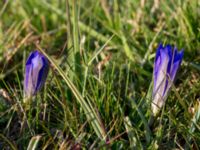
(34,142)
(131,135)
(100,50)
(76,44)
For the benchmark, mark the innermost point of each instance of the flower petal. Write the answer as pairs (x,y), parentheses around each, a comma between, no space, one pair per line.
(36,71)
(178,56)
(42,74)
(165,68)
(161,69)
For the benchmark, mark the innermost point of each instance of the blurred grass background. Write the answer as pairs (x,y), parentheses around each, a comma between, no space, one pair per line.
(102,55)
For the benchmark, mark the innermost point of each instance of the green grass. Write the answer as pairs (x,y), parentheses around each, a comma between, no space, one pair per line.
(98,93)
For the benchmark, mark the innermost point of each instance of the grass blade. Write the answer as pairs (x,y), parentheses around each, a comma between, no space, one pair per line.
(34,142)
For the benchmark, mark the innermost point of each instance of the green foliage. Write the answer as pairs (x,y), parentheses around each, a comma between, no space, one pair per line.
(98,91)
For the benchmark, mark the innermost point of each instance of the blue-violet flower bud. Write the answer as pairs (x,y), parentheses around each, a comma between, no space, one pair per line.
(37,67)
(166,64)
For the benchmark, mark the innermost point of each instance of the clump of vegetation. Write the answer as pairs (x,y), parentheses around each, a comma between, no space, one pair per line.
(98,92)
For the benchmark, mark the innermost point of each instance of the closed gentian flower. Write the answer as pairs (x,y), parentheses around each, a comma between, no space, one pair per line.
(166,64)
(37,67)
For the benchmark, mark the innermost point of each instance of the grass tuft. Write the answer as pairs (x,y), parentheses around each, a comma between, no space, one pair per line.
(98,91)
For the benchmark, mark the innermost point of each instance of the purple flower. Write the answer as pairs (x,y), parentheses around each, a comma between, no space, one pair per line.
(166,64)
(37,67)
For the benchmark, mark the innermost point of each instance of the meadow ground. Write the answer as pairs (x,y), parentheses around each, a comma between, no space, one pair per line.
(98,94)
